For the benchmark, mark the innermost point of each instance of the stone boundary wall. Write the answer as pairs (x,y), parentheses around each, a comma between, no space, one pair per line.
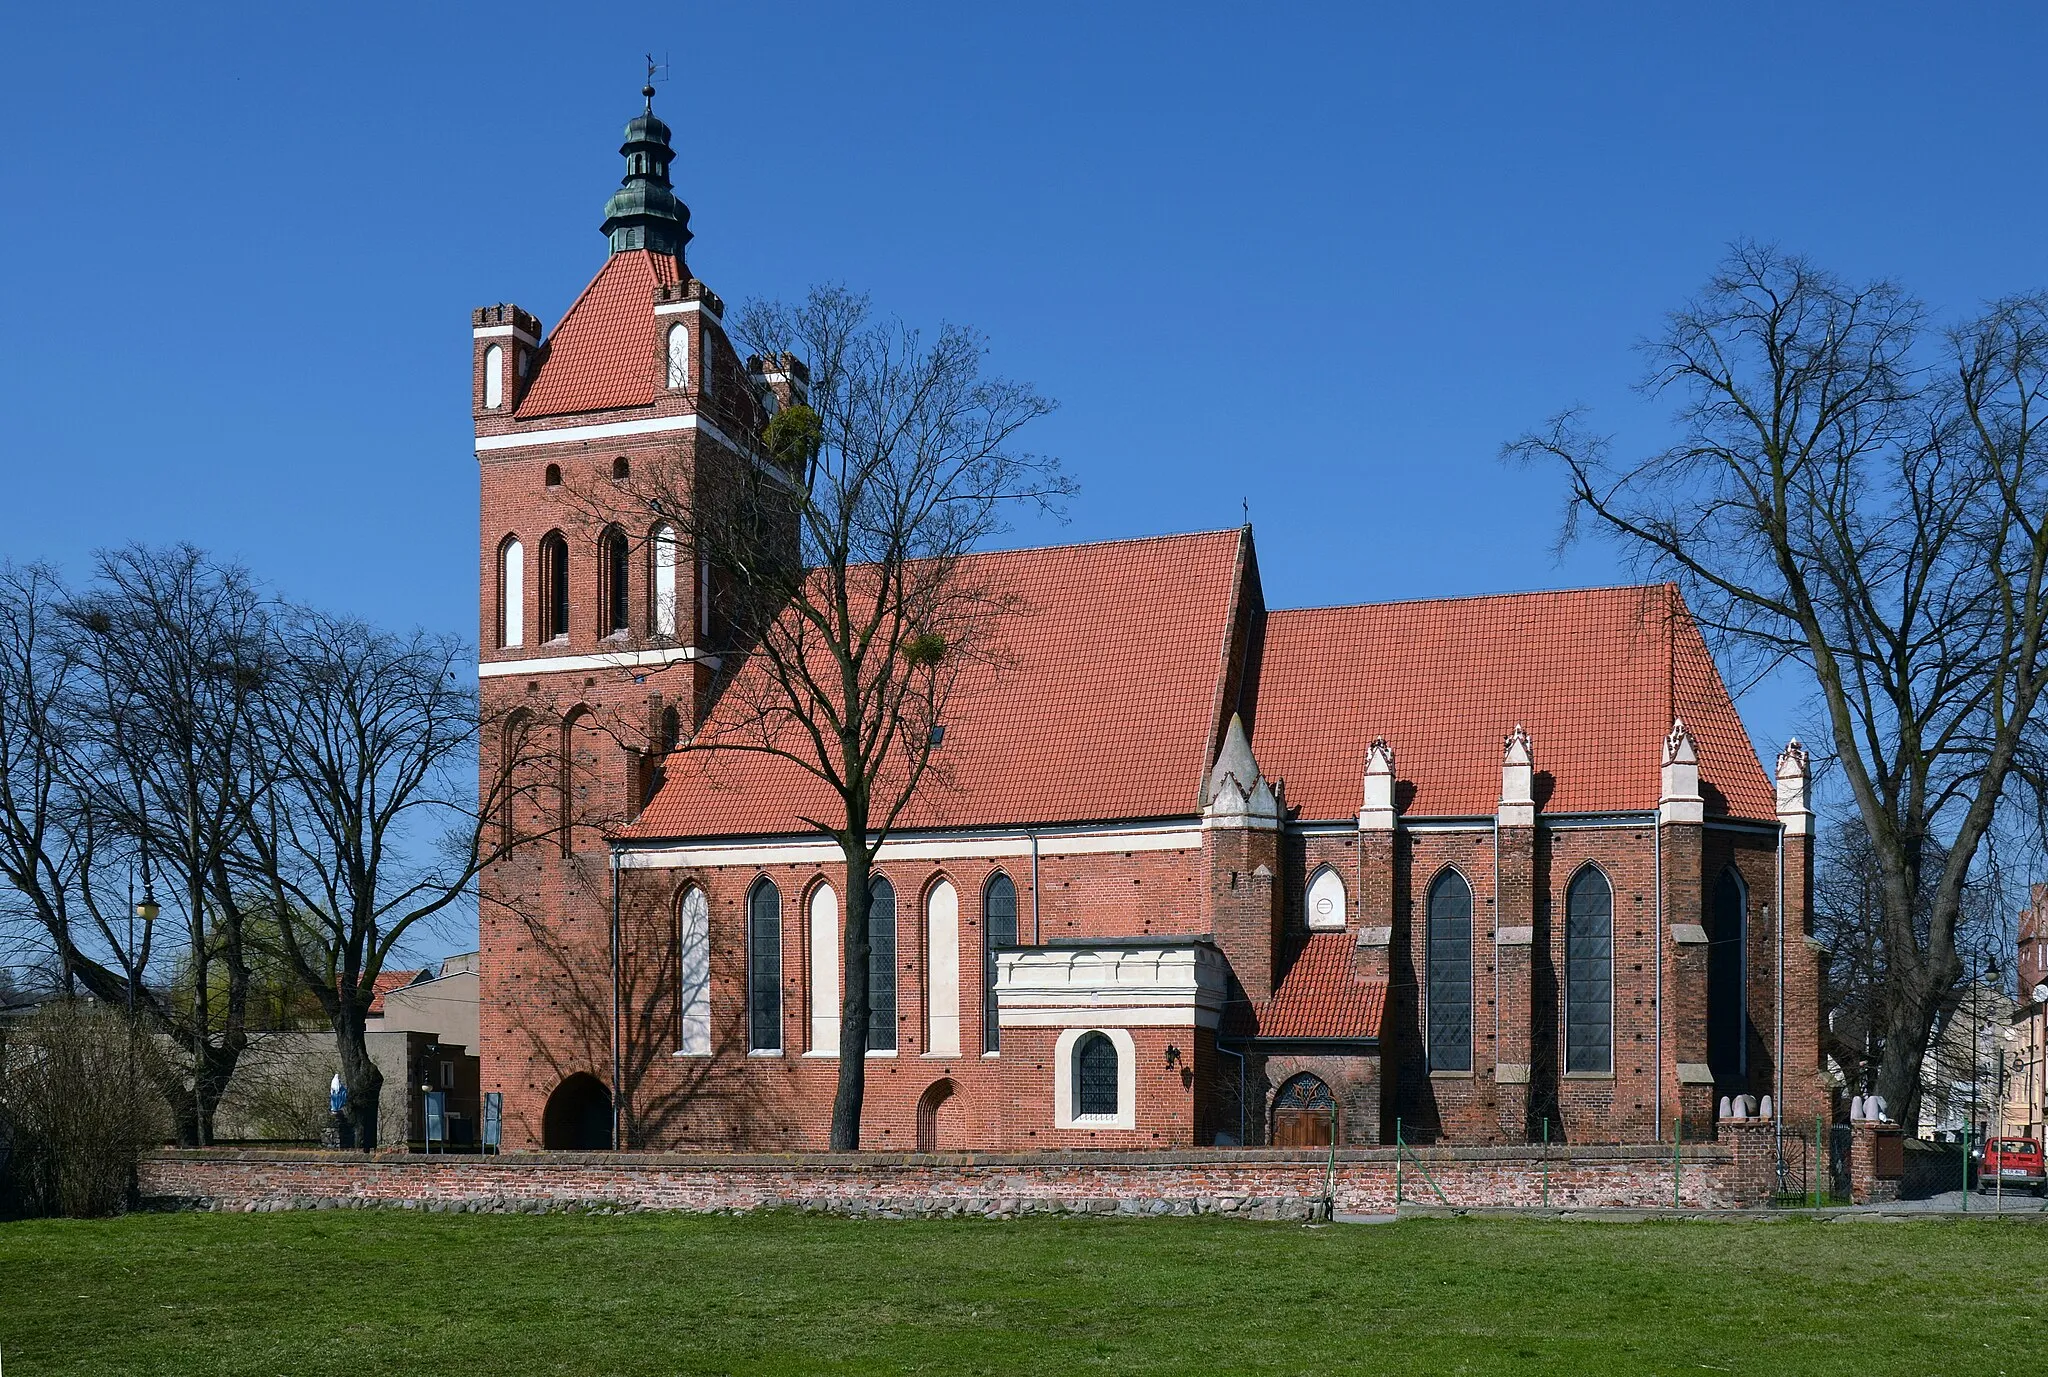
(1254,1184)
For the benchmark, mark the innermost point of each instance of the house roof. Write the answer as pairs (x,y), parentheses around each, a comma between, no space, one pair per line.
(602,354)
(1320,995)
(1104,706)
(386,982)
(1595,676)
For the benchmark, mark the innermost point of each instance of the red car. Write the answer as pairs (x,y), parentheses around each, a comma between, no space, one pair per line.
(2011,1164)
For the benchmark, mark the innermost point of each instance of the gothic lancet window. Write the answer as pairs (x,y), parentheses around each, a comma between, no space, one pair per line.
(678,357)
(554,587)
(662,605)
(1323,906)
(694,974)
(1450,973)
(881,966)
(512,593)
(616,566)
(1589,973)
(999,926)
(764,967)
(494,377)
(1727,962)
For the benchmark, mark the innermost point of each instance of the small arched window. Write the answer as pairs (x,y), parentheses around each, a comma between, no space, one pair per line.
(554,587)
(764,967)
(678,356)
(1323,907)
(494,377)
(1727,964)
(671,730)
(617,569)
(999,929)
(881,966)
(693,994)
(1589,973)
(663,582)
(553,476)
(621,469)
(511,593)
(704,363)
(1450,973)
(1095,1076)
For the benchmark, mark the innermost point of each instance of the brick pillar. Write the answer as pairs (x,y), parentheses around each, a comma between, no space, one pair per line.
(1375,924)
(1756,1159)
(1806,1094)
(1681,817)
(1514,918)
(1241,816)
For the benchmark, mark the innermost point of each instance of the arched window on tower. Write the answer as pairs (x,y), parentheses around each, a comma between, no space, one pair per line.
(494,377)
(511,593)
(554,587)
(1589,973)
(678,357)
(662,604)
(999,929)
(1450,973)
(616,569)
(881,966)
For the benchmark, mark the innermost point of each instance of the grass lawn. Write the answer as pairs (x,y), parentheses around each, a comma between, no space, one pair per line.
(388,1292)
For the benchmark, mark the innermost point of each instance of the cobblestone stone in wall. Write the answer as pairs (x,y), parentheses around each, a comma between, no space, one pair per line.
(1257,1185)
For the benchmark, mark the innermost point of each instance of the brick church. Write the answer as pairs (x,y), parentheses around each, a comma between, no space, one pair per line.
(1207,873)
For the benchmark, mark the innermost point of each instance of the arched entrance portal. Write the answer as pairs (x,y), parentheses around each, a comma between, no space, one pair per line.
(938,1117)
(1304,1113)
(578,1116)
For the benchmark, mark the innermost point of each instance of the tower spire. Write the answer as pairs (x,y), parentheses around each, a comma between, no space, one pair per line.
(645,212)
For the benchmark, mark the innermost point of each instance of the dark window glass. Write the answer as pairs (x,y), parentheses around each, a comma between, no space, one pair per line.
(1094,1075)
(618,577)
(881,966)
(1727,958)
(554,567)
(999,923)
(764,968)
(1450,973)
(1589,973)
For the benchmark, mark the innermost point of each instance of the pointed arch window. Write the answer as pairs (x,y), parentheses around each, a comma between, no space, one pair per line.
(1589,973)
(999,929)
(693,969)
(764,967)
(494,378)
(662,583)
(1450,973)
(881,966)
(824,972)
(942,970)
(1727,965)
(1323,906)
(615,567)
(678,356)
(554,587)
(511,593)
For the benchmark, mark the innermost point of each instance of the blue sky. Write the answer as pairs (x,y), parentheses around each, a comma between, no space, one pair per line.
(1318,260)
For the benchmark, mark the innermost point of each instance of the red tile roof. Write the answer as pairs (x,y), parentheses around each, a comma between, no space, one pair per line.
(1595,675)
(386,982)
(603,352)
(1320,995)
(1104,710)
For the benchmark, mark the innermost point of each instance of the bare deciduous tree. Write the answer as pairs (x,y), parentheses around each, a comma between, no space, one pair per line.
(1859,493)
(844,595)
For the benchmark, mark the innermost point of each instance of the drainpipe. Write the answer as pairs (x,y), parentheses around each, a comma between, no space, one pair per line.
(1034,888)
(1778,1032)
(1657,988)
(617,1097)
